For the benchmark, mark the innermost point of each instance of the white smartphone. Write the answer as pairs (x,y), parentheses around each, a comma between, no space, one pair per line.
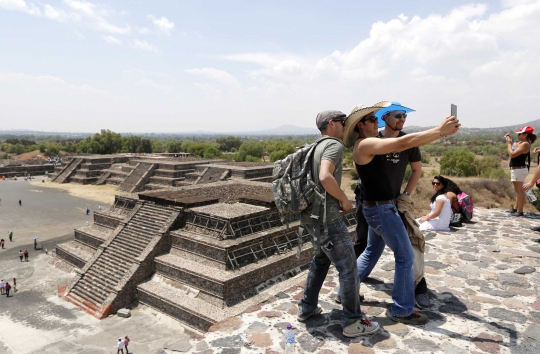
(453,110)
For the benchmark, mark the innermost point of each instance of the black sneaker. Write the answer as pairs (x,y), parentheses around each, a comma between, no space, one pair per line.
(520,214)
(303,317)
(360,296)
(536,228)
(512,210)
(414,318)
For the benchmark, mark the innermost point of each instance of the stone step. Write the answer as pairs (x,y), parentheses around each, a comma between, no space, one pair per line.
(116,260)
(105,275)
(131,241)
(156,187)
(87,293)
(148,225)
(114,256)
(137,234)
(112,272)
(87,306)
(173,302)
(90,285)
(166,181)
(121,248)
(100,278)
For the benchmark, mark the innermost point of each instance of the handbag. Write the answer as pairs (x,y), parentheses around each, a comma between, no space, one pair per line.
(456,220)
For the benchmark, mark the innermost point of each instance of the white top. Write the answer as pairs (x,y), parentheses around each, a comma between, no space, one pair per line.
(442,222)
(2,284)
(121,344)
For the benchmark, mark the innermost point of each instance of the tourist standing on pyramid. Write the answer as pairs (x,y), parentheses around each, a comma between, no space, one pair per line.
(20,255)
(333,245)
(379,209)
(10,236)
(26,255)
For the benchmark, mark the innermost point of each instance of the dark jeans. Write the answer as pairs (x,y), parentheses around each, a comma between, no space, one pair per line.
(335,247)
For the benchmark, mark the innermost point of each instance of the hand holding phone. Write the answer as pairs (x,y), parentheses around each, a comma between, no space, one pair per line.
(453,110)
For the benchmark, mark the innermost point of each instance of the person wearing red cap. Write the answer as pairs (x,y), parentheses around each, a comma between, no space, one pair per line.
(518,168)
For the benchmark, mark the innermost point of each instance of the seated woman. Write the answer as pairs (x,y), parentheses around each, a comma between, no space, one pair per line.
(441,206)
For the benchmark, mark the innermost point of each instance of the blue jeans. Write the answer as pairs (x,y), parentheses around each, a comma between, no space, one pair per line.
(335,247)
(386,228)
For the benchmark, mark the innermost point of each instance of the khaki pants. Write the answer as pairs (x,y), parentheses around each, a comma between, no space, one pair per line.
(418,265)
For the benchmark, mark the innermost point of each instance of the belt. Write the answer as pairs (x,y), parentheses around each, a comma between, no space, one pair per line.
(368,203)
(517,167)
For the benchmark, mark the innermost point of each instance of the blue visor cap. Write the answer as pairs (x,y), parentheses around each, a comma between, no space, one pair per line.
(395,106)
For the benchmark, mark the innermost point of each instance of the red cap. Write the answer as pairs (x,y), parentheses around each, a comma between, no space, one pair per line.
(525,129)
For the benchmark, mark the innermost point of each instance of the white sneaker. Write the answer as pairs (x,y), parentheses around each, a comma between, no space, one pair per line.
(361,327)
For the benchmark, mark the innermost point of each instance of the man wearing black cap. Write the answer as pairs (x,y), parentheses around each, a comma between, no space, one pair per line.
(333,245)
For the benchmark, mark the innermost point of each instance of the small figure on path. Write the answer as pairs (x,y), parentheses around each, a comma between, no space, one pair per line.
(8,288)
(126,342)
(20,202)
(14,285)
(2,243)
(2,287)
(120,346)
(20,255)
(10,236)
(26,255)
(99,207)
(87,211)
(35,243)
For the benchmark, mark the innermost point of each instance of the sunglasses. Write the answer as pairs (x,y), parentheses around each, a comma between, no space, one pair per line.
(342,121)
(400,116)
(435,183)
(372,119)
(521,133)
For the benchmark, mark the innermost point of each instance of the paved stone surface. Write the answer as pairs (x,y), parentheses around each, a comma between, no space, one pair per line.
(524,270)
(479,306)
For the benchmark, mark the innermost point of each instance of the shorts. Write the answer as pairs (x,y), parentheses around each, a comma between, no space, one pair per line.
(519,175)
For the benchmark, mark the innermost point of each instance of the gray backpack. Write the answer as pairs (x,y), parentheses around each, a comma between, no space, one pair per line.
(294,187)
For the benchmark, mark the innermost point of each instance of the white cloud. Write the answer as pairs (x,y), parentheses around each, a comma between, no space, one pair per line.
(144,30)
(104,26)
(112,40)
(20,5)
(144,45)
(82,6)
(163,24)
(59,15)
(215,74)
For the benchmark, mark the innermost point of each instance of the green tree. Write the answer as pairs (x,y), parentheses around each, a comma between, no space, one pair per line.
(53,149)
(250,149)
(487,164)
(131,143)
(174,146)
(16,149)
(458,162)
(42,147)
(157,146)
(228,143)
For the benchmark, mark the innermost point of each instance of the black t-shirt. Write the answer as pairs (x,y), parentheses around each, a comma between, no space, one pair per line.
(397,163)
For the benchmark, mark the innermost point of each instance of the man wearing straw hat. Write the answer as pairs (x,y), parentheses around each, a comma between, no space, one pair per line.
(385,224)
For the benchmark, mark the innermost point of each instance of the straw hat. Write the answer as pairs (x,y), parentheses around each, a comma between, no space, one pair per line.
(355,116)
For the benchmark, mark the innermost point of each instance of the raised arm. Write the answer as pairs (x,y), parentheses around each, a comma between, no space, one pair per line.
(536,177)
(521,148)
(367,148)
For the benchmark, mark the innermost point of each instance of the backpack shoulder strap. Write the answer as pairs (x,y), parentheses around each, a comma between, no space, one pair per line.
(529,160)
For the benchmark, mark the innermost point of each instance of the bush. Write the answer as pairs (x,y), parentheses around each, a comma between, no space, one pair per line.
(435,172)
(426,159)
(408,172)
(487,164)
(458,162)
(353,174)
(250,158)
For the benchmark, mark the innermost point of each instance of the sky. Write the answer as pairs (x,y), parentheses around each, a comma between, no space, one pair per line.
(229,66)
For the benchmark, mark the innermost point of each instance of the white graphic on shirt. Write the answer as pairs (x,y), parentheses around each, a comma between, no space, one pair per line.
(393,157)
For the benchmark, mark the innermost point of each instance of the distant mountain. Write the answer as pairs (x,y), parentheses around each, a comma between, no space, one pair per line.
(283,130)
(484,131)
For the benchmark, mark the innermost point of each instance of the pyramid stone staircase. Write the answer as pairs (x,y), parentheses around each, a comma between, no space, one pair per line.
(67,171)
(107,281)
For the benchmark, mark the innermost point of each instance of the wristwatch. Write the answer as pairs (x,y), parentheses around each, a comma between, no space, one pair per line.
(407,193)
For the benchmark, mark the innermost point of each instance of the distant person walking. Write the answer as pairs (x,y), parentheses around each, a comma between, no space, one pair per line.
(99,207)
(20,202)
(35,244)
(2,287)
(520,152)
(21,255)
(120,346)
(14,285)
(126,342)
(26,255)
(10,236)
(87,211)
(8,288)
(2,243)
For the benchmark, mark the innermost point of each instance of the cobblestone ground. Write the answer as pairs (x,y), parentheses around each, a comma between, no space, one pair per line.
(483,280)
(483,285)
